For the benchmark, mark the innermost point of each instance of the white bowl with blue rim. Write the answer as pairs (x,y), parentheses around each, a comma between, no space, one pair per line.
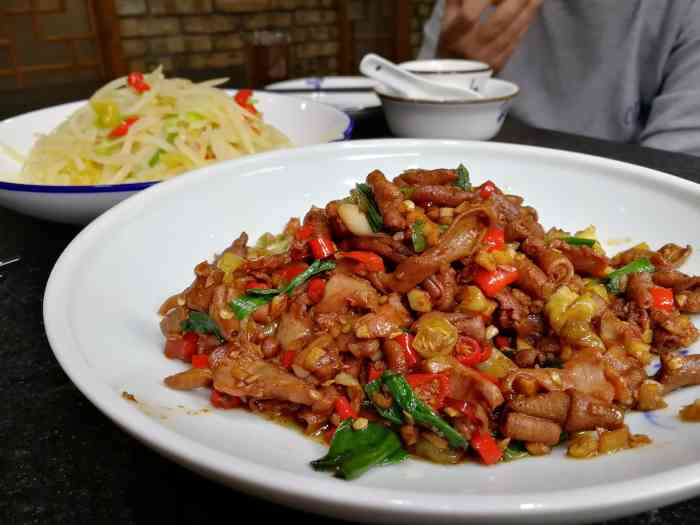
(305,122)
(471,119)
(352,94)
(455,72)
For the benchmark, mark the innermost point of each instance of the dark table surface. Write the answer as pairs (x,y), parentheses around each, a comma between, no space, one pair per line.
(62,461)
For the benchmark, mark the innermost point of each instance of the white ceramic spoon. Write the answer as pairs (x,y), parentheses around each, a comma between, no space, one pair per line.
(410,85)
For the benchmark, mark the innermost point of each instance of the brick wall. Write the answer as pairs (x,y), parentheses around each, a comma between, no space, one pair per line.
(211,34)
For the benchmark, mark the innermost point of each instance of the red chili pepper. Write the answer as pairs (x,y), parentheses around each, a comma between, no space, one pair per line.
(463,407)
(290,271)
(200,361)
(287,358)
(329,434)
(322,247)
(242,98)
(255,284)
(191,337)
(225,401)
(487,189)
(373,372)
(470,353)
(123,128)
(135,80)
(431,388)
(493,282)
(486,446)
(183,348)
(495,239)
(344,409)
(662,298)
(502,341)
(304,232)
(406,342)
(317,287)
(372,261)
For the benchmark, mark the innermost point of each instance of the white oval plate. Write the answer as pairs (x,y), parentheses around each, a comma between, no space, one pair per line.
(351,102)
(100,317)
(305,122)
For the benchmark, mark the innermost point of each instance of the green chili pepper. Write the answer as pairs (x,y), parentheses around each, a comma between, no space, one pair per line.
(515,450)
(193,116)
(315,268)
(156,157)
(407,191)
(417,236)
(262,292)
(578,241)
(640,265)
(244,305)
(107,113)
(463,181)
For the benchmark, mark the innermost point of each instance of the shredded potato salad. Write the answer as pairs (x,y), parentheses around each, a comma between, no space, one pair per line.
(148,127)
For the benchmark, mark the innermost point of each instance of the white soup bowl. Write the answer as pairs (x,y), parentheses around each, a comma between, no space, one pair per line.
(473,119)
(460,73)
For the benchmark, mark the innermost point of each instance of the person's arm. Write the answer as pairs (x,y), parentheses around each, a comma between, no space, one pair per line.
(674,117)
(457,29)
(431,33)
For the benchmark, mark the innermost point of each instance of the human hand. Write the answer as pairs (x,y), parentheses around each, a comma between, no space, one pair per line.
(495,39)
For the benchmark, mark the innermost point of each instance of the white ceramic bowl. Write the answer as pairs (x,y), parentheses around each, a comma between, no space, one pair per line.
(103,294)
(474,119)
(305,122)
(357,103)
(451,71)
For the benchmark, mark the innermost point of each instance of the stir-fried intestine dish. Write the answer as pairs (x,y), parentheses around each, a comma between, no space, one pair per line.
(425,316)
(148,128)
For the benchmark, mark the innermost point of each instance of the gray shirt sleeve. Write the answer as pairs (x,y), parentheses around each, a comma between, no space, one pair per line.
(674,117)
(431,32)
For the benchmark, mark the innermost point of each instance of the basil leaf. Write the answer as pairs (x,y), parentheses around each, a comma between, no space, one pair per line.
(369,206)
(353,452)
(201,323)
(245,305)
(417,237)
(463,181)
(578,241)
(392,413)
(421,413)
